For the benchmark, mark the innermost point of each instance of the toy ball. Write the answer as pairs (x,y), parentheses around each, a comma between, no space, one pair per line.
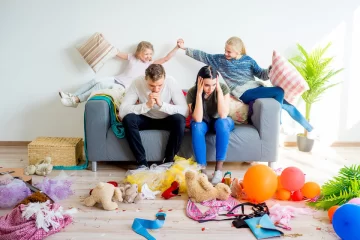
(279,186)
(260,183)
(297,196)
(310,190)
(331,212)
(292,179)
(346,221)
(355,201)
(283,194)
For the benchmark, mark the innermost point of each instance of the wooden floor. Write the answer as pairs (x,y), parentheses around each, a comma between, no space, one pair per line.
(94,223)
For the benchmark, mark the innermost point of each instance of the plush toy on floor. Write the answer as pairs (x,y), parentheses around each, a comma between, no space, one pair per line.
(104,193)
(41,168)
(200,189)
(130,193)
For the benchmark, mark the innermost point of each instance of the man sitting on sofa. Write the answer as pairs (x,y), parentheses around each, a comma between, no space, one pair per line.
(154,102)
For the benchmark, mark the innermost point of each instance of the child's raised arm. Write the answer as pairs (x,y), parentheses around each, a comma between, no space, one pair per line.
(208,59)
(168,56)
(121,55)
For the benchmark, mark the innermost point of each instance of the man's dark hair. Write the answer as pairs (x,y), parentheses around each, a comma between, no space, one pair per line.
(154,72)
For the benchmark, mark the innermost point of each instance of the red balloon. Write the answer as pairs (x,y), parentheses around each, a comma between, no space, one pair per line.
(297,196)
(292,179)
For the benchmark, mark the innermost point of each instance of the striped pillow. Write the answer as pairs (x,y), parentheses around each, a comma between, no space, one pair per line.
(283,74)
(96,51)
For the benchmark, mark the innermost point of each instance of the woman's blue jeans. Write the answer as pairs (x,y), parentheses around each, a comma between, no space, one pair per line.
(222,128)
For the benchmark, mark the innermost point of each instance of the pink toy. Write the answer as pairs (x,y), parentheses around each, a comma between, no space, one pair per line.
(355,201)
(281,215)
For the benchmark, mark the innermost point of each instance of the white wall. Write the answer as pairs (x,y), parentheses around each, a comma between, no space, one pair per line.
(37,54)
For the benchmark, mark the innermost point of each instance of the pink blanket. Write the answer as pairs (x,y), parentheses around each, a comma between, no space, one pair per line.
(14,226)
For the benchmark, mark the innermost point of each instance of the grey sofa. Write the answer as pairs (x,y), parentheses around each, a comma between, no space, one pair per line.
(256,142)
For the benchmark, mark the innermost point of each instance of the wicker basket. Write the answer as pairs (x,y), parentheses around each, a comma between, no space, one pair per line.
(63,151)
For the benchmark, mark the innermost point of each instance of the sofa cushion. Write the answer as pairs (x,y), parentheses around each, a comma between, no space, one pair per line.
(283,74)
(96,51)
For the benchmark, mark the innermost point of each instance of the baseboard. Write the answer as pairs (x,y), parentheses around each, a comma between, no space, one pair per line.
(286,144)
(14,143)
(335,144)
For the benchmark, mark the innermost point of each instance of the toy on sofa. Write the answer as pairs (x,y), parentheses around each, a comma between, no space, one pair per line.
(200,189)
(104,193)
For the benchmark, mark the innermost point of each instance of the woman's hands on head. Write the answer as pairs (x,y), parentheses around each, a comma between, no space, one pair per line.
(200,86)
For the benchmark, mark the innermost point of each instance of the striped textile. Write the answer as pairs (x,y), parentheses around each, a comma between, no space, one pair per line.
(96,51)
(215,206)
(285,75)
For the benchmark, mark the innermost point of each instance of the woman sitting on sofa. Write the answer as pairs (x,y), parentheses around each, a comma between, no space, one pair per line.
(208,102)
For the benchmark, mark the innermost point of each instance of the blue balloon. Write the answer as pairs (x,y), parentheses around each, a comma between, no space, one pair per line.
(346,221)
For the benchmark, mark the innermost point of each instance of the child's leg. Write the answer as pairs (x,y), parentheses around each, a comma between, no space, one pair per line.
(297,116)
(86,87)
(198,131)
(107,83)
(263,92)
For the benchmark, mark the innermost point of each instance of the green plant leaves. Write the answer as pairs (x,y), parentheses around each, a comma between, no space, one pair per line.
(340,189)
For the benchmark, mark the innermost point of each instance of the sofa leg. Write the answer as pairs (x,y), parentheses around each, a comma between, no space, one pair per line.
(271,165)
(94,166)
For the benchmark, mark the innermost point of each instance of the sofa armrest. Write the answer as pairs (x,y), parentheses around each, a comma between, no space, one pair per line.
(97,123)
(266,119)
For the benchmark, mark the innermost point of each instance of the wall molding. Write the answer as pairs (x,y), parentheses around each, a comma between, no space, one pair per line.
(335,144)
(286,144)
(14,143)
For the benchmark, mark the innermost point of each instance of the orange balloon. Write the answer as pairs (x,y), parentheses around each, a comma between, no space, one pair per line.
(332,211)
(310,190)
(279,186)
(282,194)
(260,183)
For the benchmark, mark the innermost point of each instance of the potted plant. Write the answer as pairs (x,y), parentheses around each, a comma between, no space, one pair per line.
(315,69)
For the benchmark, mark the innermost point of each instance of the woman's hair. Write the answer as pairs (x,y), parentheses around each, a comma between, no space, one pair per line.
(204,72)
(142,46)
(237,44)
(154,72)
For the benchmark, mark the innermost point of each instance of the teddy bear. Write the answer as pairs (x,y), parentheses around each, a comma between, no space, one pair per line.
(130,193)
(104,193)
(41,168)
(200,189)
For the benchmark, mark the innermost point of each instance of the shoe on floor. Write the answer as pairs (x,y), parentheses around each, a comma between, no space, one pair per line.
(217,177)
(69,102)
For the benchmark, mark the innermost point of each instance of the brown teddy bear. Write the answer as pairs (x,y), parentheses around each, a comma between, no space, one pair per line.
(200,189)
(104,193)
(130,193)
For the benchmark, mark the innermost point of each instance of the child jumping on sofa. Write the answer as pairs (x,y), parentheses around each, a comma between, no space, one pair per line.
(138,62)
(239,71)
(208,103)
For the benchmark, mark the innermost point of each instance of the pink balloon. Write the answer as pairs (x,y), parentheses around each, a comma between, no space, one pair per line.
(292,179)
(355,201)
